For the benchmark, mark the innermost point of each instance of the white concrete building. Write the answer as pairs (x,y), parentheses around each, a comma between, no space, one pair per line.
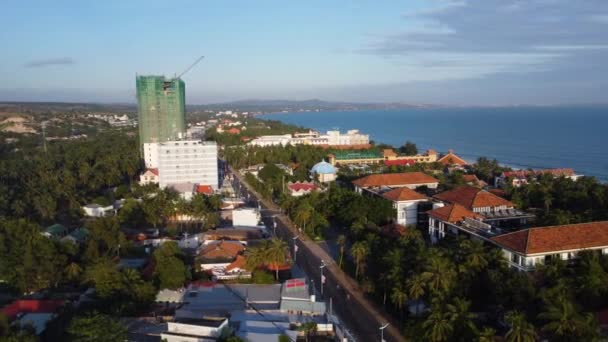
(352,137)
(246,217)
(151,155)
(271,140)
(405,201)
(188,161)
(195,330)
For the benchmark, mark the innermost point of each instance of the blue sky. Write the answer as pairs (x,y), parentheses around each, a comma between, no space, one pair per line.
(490,52)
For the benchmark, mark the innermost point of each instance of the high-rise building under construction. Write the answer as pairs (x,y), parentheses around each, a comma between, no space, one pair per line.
(161,108)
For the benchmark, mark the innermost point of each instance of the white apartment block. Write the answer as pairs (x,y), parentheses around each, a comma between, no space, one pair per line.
(332,138)
(352,137)
(151,155)
(188,161)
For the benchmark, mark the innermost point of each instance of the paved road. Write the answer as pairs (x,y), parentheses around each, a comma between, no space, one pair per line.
(362,316)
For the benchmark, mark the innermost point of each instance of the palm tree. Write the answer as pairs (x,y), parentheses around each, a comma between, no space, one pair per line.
(73,271)
(360,251)
(462,318)
(475,258)
(416,289)
(563,320)
(308,328)
(277,254)
(521,330)
(341,241)
(438,326)
(398,298)
(487,335)
(303,214)
(439,274)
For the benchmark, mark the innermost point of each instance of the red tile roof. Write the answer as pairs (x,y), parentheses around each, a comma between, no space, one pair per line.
(302,186)
(234,131)
(453,213)
(239,263)
(452,159)
(31,306)
(554,239)
(204,189)
(222,250)
(403,194)
(395,179)
(471,197)
(154,171)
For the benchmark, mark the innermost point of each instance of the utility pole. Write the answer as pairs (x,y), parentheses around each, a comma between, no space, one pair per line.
(322,276)
(382,331)
(295,248)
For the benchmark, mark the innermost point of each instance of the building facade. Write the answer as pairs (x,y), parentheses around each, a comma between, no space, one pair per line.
(188,161)
(161,108)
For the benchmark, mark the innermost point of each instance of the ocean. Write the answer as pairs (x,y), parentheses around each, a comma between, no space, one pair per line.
(520,137)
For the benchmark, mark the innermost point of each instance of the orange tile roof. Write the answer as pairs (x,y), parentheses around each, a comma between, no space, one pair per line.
(556,238)
(471,197)
(223,249)
(452,159)
(239,262)
(452,213)
(204,189)
(403,194)
(470,178)
(395,179)
(154,171)
(388,152)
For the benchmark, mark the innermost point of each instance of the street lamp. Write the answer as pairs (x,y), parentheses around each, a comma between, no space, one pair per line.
(322,276)
(295,248)
(382,331)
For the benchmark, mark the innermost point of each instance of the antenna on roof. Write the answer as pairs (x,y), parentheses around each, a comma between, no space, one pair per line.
(190,67)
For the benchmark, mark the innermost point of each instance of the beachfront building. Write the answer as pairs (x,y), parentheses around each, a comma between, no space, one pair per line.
(271,140)
(332,138)
(523,177)
(410,180)
(497,211)
(188,161)
(454,219)
(526,249)
(352,137)
(350,157)
(451,159)
(323,172)
(392,158)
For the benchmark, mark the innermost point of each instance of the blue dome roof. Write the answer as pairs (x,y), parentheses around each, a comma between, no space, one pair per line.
(323,168)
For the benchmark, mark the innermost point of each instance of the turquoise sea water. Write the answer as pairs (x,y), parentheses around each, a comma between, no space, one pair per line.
(521,137)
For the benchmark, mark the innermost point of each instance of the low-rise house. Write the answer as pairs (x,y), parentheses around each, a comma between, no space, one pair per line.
(298,189)
(150,176)
(406,202)
(496,210)
(323,172)
(185,190)
(34,312)
(204,189)
(451,159)
(410,180)
(285,168)
(77,236)
(526,249)
(56,231)
(235,270)
(219,254)
(97,210)
(523,177)
(472,180)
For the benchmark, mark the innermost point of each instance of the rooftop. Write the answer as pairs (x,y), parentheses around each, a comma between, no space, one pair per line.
(222,250)
(556,238)
(403,194)
(452,159)
(395,179)
(471,197)
(526,173)
(453,213)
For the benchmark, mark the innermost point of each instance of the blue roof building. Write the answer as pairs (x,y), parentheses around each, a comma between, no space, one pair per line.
(323,172)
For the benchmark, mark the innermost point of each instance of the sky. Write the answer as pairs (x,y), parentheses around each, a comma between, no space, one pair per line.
(461,52)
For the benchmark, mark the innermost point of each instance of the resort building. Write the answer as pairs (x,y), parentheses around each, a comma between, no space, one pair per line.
(332,138)
(410,180)
(188,161)
(349,157)
(452,159)
(271,140)
(496,211)
(406,202)
(525,249)
(454,219)
(523,177)
(323,172)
